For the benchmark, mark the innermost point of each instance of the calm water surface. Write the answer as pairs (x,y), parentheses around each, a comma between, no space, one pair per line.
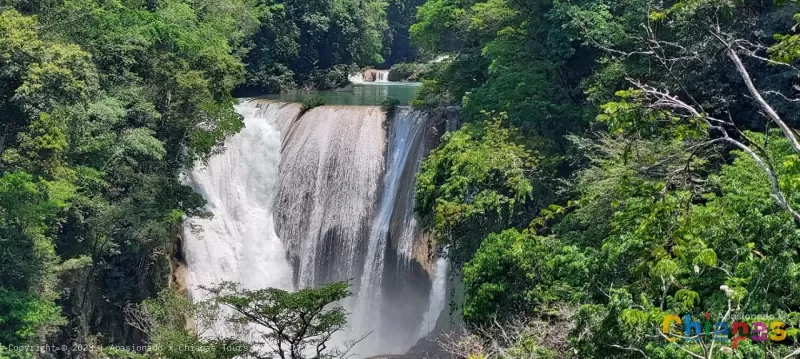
(359,94)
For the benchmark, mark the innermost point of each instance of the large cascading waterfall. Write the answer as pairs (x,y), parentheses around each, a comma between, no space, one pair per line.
(337,183)
(328,192)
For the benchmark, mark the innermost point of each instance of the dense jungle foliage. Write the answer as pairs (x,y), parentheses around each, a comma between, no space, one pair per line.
(620,161)
(102,105)
(623,160)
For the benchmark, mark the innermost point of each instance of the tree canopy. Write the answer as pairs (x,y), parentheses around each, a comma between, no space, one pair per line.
(665,136)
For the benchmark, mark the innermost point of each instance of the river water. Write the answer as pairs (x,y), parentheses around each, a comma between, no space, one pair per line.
(365,94)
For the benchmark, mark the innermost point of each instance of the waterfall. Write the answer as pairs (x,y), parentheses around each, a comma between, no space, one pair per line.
(437,299)
(406,129)
(328,192)
(239,243)
(370,76)
(300,201)
(382,76)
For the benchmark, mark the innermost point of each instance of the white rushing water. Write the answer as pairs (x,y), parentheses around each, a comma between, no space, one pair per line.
(370,76)
(298,202)
(239,243)
(328,191)
(403,131)
(437,299)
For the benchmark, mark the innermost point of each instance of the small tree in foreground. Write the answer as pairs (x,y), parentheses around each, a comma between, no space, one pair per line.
(177,328)
(297,324)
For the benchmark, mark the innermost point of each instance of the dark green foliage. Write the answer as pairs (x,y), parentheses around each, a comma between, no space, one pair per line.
(397,47)
(517,273)
(414,72)
(431,95)
(104,105)
(513,57)
(26,317)
(663,211)
(389,105)
(311,102)
(336,76)
(405,72)
(314,43)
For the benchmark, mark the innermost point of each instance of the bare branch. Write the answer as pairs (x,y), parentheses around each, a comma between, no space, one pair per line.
(664,100)
(751,87)
(631,349)
(796,352)
(776,93)
(496,339)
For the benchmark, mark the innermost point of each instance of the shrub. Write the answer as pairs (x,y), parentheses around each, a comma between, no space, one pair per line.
(275,78)
(432,70)
(406,72)
(311,102)
(431,95)
(390,104)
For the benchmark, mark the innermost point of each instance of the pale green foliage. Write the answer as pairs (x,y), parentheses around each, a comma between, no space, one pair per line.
(28,271)
(480,178)
(63,74)
(296,324)
(140,141)
(632,116)
(19,44)
(315,43)
(434,19)
(165,319)
(513,57)
(42,145)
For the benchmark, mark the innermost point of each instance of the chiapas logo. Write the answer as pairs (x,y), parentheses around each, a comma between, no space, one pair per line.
(705,329)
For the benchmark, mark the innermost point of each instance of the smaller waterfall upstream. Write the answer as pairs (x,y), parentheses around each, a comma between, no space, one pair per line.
(370,76)
(381,76)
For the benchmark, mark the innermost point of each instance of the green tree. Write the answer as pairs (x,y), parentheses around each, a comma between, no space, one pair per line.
(104,104)
(297,323)
(28,284)
(514,57)
(516,274)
